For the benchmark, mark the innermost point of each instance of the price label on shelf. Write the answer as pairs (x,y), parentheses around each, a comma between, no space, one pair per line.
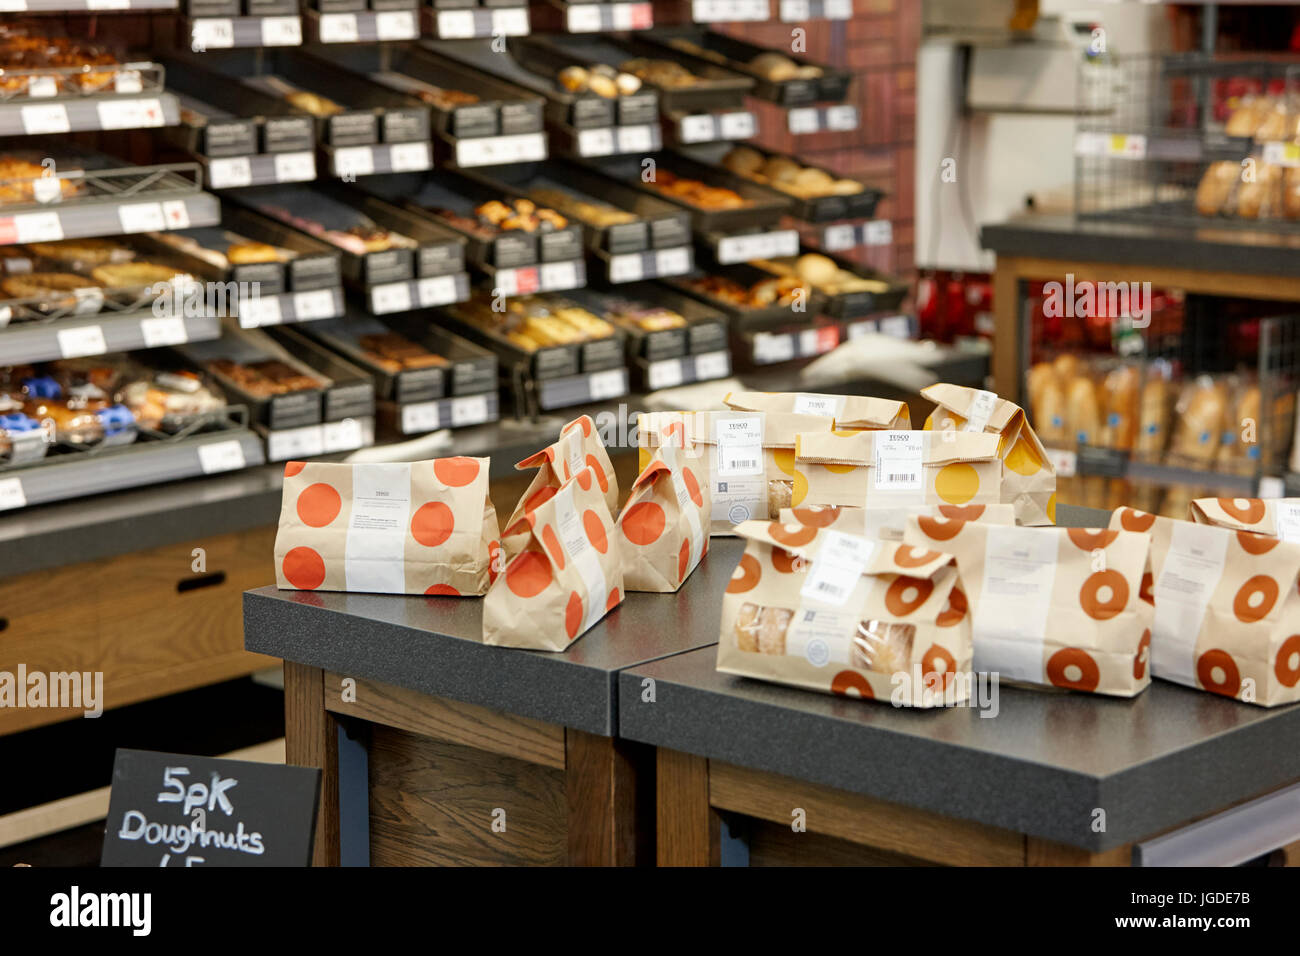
(665,374)
(257,311)
(409,157)
(13,6)
(673,262)
(626,267)
(635,139)
(163,330)
(1282,154)
(38,227)
(1065,461)
(1115,145)
(230,172)
(741,125)
(596,142)
(141,217)
(127,82)
(878,232)
(583,18)
(814,119)
(493,150)
(42,87)
(317,304)
(710,365)
(45,118)
(390,297)
(796,11)
(455,25)
(698,128)
(439,290)
(84,340)
(11,494)
(769,348)
(899,326)
(759,245)
(730,11)
(108,4)
(396,25)
(221,456)
(802,120)
(510,21)
(842,118)
(130,114)
(633,16)
(339,28)
(558,276)
(288,444)
(808,342)
(211,33)
(176,214)
(420,417)
(610,384)
(346,435)
(281,31)
(354,161)
(843,236)
(469,410)
(295,167)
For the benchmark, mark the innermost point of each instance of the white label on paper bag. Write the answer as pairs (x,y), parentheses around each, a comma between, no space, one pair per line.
(821,637)
(419,417)
(381,513)
(740,446)
(739,489)
(980,411)
(837,568)
(1288,520)
(221,456)
(900,460)
(11,494)
(573,539)
(1010,621)
(826,405)
(1182,592)
(573,451)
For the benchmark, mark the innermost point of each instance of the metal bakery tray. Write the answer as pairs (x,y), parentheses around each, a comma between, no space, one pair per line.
(749,317)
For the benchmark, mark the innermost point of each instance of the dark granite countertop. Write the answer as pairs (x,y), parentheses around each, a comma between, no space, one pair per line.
(1218,248)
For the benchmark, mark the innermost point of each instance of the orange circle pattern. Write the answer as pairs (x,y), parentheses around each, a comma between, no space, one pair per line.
(818,517)
(1248,611)
(745,577)
(846,683)
(1089,539)
(1251,514)
(896,603)
(432,524)
(792,536)
(1254,543)
(1133,520)
(319,504)
(939,530)
(1089,672)
(644,522)
(907,556)
(304,568)
(528,574)
(595,529)
(962,512)
(956,609)
(1090,595)
(1287,675)
(931,661)
(456,472)
(1223,661)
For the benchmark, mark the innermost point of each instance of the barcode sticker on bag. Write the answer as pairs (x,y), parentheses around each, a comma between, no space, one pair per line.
(980,411)
(837,567)
(1288,521)
(740,446)
(899,459)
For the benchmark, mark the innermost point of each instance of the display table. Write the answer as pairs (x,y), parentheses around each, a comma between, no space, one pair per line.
(1212,260)
(441,736)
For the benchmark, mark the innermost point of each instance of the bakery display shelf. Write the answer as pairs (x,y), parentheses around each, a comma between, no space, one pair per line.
(364,26)
(473,22)
(130,96)
(742,247)
(86,6)
(352,394)
(208,34)
(429,293)
(578,17)
(650,376)
(76,336)
(467,369)
(544,277)
(349,162)
(696,48)
(419,418)
(705,332)
(773,315)
(552,393)
(213,443)
(821,208)
(848,304)
(751,349)
(312,441)
(1095,461)
(729,125)
(1162,143)
(833,118)
(547,62)
(731,11)
(109,202)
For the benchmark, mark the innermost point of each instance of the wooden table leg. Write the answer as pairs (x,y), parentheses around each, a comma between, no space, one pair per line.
(1006,330)
(311,740)
(600,777)
(688,830)
(1046,853)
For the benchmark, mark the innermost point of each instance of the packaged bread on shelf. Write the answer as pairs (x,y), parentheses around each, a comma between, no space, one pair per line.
(1227,602)
(565,577)
(1121,406)
(850,412)
(579,445)
(817,608)
(1215,193)
(887,523)
(1154,412)
(1056,606)
(665,523)
(1028,477)
(746,456)
(423,527)
(1198,421)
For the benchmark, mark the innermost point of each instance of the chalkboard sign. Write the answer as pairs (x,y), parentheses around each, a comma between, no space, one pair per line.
(182,810)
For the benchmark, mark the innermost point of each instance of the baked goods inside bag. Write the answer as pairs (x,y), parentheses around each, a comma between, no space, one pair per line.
(1058,606)
(1227,607)
(578,447)
(566,576)
(1028,477)
(423,527)
(887,523)
(665,523)
(817,608)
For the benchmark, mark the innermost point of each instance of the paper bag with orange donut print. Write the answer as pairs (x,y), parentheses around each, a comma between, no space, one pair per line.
(853,520)
(849,412)
(1028,476)
(817,608)
(578,446)
(424,527)
(566,576)
(1227,608)
(1275,517)
(665,523)
(1059,606)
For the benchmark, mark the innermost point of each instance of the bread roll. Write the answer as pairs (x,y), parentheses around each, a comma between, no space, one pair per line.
(1262,196)
(1215,189)
(1247,117)
(743,161)
(747,628)
(816,269)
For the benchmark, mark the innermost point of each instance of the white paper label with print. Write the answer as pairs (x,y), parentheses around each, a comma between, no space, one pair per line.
(900,460)
(46,118)
(980,411)
(289,444)
(281,31)
(740,446)
(381,514)
(821,636)
(11,494)
(43,86)
(230,172)
(294,167)
(737,125)
(317,304)
(697,128)
(609,384)
(142,217)
(437,290)
(339,28)
(666,373)
(390,297)
(130,114)
(84,340)
(1187,581)
(1287,520)
(407,157)
(739,490)
(712,365)
(837,567)
(163,330)
(38,227)
(344,435)
(418,417)
(354,161)
(573,452)
(573,539)
(1010,620)
(259,310)
(221,456)
(469,410)
(396,25)
(826,405)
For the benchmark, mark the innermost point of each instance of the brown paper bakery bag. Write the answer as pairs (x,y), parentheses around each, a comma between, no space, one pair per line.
(747,457)
(424,527)
(1028,477)
(1227,607)
(566,576)
(817,608)
(665,523)
(579,446)
(1058,606)
(1275,517)
(868,521)
(849,412)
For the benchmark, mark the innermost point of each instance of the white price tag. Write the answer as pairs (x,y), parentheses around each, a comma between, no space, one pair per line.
(1273,486)
(769,348)
(827,405)
(342,436)
(729,11)
(738,125)
(584,18)
(759,245)
(1275,153)
(899,460)
(221,456)
(11,494)
(47,189)
(164,330)
(317,304)
(409,157)
(292,444)
(980,411)
(808,342)
(842,118)
(626,267)
(38,227)
(230,172)
(257,311)
(1065,462)
(295,167)
(878,232)
(805,119)
(440,290)
(609,384)
(339,28)
(1288,515)
(558,276)
(354,161)
(675,261)
(795,11)
(469,410)
(390,297)
(899,326)
(510,21)
(130,114)
(740,446)
(710,365)
(281,31)
(837,568)
(455,24)
(491,150)
(40,87)
(837,9)
(698,128)
(176,214)
(84,340)
(128,82)
(419,417)
(596,142)
(45,118)
(141,217)
(13,6)
(635,139)
(208,33)
(396,25)
(836,238)
(665,374)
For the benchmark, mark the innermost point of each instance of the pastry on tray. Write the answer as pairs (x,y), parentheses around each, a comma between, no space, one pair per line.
(90,252)
(25,191)
(131,275)
(395,353)
(41,285)
(243,253)
(697,193)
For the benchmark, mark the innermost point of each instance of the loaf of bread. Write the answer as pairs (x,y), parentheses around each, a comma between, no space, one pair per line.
(1121,399)
(1199,421)
(1214,194)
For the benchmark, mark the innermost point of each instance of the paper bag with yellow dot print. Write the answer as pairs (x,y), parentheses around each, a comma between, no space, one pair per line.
(664,526)
(424,527)
(565,577)
(579,446)
(817,608)
(1227,603)
(1058,606)
(849,412)
(1028,477)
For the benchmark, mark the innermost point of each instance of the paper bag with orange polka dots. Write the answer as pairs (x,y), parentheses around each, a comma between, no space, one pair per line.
(1059,606)
(817,608)
(887,523)
(1276,517)
(423,527)
(665,523)
(565,577)
(579,445)
(1028,476)
(1227,604)
(849,412)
